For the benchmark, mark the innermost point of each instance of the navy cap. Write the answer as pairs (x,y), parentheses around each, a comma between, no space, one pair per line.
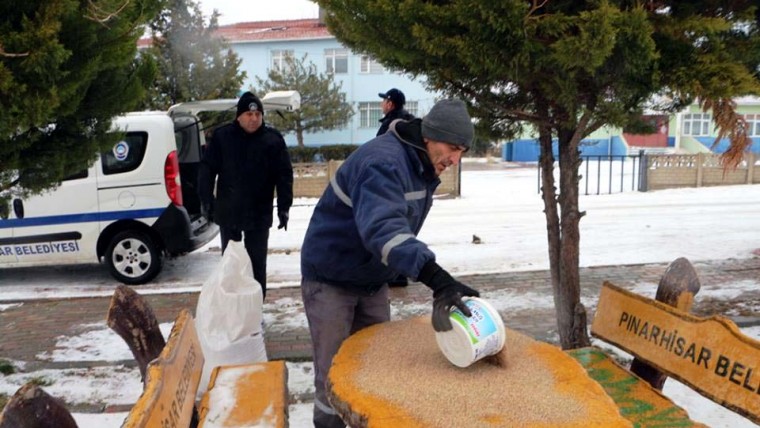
(395,96)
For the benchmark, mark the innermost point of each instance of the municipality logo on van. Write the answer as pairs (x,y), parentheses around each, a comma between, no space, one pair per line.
(121,150)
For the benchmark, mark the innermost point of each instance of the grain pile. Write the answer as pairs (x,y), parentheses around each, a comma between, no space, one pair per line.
(394,375)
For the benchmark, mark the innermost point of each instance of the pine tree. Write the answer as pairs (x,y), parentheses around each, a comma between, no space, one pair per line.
(323,104)
(564,69)
(193,63)
(66,68)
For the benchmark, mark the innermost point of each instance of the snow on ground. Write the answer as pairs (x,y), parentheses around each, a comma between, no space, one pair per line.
(502,207)
(9,306)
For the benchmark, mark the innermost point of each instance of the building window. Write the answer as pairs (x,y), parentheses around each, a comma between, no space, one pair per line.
(370,66)
(278,58)
(411,107)
(753,124)
(370,114)
(336,61)
(696,124)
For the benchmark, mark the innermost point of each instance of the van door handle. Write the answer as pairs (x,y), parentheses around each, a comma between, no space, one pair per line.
(18,208)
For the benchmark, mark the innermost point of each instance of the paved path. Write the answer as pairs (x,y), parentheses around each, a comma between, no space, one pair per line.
(32,328)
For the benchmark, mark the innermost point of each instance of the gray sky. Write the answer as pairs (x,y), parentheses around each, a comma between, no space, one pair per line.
(233,11)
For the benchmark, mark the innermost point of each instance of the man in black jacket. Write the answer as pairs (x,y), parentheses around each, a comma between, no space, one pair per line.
(393,108)
(247,159)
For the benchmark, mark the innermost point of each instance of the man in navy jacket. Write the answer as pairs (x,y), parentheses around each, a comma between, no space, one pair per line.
(364,232)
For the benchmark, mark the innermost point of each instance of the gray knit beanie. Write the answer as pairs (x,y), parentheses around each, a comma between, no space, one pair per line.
(449,122)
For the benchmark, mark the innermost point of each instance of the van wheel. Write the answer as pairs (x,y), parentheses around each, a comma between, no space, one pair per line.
(133,258)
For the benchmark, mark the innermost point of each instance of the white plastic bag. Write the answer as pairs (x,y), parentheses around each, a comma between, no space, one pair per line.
(229,313)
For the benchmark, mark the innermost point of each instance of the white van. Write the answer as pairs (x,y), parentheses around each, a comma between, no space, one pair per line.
(135,204)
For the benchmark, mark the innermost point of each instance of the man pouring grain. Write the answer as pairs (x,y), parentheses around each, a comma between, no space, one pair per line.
(364,232)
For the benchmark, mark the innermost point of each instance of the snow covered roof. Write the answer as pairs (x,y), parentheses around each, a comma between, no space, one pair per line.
(267,31)
(297,29)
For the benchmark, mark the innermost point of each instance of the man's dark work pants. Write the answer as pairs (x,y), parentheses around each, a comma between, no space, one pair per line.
(335,313)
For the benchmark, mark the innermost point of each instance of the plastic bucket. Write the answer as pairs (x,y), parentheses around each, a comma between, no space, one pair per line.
(472,338)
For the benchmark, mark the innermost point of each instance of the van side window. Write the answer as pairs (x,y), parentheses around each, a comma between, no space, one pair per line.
(126,155)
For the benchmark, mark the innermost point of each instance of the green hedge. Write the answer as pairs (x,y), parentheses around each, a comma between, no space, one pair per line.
(322,153)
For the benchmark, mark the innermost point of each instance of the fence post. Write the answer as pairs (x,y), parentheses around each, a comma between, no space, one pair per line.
(700,168)
(750,157)
(458,190)
(643,167)
(332,166)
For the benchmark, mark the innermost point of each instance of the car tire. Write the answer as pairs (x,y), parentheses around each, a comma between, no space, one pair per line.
(133,258)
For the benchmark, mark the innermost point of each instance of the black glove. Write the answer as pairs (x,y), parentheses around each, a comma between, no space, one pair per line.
(207,211)
(283,216)
(447,293)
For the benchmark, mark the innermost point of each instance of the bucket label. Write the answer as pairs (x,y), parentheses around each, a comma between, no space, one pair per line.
(474,337)
(479,326)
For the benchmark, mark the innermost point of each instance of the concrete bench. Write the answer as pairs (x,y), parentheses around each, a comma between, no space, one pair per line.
(710,355)
(237,396)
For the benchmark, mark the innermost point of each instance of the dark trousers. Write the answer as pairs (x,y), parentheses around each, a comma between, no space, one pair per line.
(256,245)
(334,314)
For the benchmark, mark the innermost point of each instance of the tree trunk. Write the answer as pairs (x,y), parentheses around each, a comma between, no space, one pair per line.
(678,286)
(549,193)
(133,319)
(31,407)
(299,134)
(571,314)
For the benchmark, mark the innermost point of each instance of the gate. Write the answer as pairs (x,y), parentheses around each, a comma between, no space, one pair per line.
(605,174)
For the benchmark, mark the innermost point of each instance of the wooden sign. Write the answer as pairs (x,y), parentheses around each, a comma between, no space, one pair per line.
(709,354)
(172,381)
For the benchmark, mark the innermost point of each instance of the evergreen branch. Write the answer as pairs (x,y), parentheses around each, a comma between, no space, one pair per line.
(106,16)
(594,125)
(730,125)
(11,55)
(536,5)
(581,128)
(9,185)
(472,92)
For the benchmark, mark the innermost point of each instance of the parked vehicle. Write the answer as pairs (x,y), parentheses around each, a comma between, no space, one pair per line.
(134,205)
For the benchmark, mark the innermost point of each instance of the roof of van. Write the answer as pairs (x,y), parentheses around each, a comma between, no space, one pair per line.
(275,100)
(145,113)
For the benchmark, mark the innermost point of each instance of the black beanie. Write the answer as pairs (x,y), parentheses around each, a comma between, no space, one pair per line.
(249,102)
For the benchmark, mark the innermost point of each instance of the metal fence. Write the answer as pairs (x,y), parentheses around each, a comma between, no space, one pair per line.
(605,174)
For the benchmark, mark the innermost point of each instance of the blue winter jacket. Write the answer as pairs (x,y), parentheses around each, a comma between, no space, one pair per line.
(364,229)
